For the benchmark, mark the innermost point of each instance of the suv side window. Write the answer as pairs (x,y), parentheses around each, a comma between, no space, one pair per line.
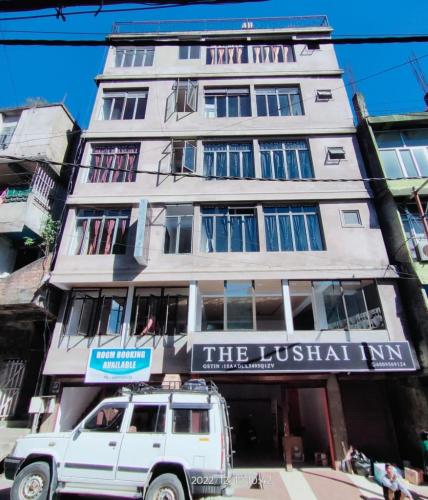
(147,418)
(107,419)
(190,421)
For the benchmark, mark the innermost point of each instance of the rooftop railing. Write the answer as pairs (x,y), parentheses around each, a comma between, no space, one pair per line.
(244,23)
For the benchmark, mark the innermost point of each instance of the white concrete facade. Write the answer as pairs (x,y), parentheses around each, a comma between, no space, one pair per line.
(349,252)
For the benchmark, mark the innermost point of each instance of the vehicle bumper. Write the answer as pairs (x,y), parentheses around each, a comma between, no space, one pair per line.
(11,465)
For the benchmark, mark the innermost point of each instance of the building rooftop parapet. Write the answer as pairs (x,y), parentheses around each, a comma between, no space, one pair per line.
(245,25)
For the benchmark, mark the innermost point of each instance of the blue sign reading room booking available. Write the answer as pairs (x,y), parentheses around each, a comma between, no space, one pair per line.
(119,365)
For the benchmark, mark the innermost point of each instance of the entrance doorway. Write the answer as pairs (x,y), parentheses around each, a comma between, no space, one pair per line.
(308,439)
(256,419)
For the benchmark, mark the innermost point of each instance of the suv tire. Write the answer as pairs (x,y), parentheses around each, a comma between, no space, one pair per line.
(165,487)
(32,482)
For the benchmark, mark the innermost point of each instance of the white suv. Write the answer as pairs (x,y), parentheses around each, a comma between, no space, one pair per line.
(151,444)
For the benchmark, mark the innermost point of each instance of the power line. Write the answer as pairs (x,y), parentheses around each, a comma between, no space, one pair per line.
(209,40)
(202,176)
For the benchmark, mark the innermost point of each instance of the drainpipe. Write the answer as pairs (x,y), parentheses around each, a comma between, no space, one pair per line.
(420,207)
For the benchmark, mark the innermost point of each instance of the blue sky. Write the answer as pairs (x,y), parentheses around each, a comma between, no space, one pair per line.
(63,73)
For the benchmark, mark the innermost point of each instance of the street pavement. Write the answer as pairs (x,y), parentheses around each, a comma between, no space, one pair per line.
(304,483)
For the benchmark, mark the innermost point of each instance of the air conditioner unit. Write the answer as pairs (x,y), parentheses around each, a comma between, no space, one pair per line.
(423,250)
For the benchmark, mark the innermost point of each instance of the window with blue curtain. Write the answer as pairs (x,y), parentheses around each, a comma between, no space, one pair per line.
(288,159)
(293,228)
(229,229)
(228,160)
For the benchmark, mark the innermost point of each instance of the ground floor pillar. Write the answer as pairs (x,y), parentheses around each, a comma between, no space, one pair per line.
(339,435)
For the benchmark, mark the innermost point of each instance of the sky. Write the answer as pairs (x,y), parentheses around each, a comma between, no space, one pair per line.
(66,74)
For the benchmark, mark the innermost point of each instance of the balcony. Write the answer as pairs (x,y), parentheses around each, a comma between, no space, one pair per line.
(194,25)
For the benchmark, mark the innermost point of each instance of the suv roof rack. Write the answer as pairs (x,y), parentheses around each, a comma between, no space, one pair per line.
(200,386)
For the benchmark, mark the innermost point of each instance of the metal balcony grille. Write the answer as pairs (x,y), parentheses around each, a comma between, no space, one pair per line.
(242,24)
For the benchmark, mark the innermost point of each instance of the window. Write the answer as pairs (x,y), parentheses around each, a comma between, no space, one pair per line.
(278,101)
(189,52)
(160,311)
(178,229)
(273,54)
(413,227)
(287,159)
(336,305)
(190,421)
(106,419)
(404,153)
(324,95)
(101,232)
(113,163)
(335,154)
(242,305)
(183,98)
(183,156)
(124,105)
(228,160)
(148,418)
(232,54)
(229,229)
(351,218)
(95,312)
(43,185)
(233,102)
(293,228)
(134,57)
(9,125)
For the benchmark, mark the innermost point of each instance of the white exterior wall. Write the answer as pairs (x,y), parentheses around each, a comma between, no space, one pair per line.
(350,252)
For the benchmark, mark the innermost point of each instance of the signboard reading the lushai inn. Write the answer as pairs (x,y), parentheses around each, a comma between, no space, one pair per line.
(302,357)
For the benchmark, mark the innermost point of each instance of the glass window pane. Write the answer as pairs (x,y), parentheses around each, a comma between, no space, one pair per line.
(185,243)
(141,108)
(391,164)
(300,236)
(302,305)
(107,103)
(221,106)
(409,164)
(261,105)
(270,313)
(351,217)
(233,105)
(273,105)
(221,240)
(129,55)
(117,108)
(239,313)
(421,156)
(355,305)
(106,419)
(239,288)
(296,104)
(329,305)
(148,419)
(284,105)
(416,137)
(177,315)
(212,313)
(373,304)
(171,228)
(389,140)
(194,52)
(183,51)
(245,105)
(138,60)
(236,239)
(148,61)
(119,56)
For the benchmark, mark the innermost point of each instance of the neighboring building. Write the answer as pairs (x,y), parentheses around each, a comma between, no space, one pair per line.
(395,148)
(30,191)
(222,221)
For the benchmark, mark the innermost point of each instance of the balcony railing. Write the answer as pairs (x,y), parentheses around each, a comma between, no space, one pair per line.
(13,194)
(221,24)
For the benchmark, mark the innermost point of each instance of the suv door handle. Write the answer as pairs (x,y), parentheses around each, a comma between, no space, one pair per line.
(156,445)
(112,443)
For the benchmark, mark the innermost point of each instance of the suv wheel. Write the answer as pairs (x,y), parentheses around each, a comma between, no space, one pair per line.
(32,482)
(165,487)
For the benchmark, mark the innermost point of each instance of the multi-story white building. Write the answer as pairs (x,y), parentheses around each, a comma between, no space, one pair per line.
(221,221)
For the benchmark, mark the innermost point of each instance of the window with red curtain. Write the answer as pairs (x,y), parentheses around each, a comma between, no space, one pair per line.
(101,232)
(114,163)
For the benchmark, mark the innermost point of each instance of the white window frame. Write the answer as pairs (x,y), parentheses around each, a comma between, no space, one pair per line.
(137,95)
(354,211)
(227,149)
(190,88)
(284,149)
(134,50)
(180,213)
(185,146)
(211,110)
(277,91)
(189,52)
